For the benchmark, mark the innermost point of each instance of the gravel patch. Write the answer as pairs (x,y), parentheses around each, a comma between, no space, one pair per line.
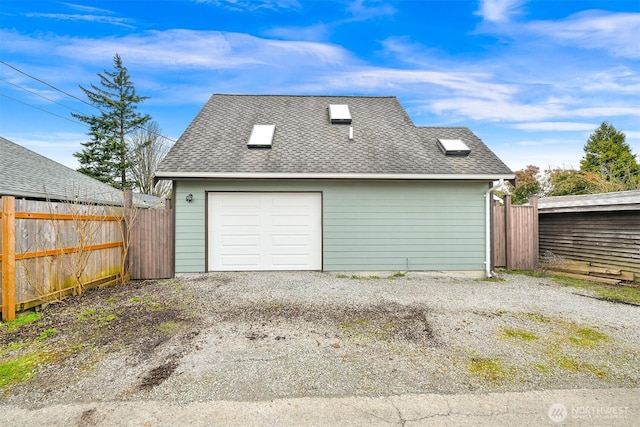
(261,336)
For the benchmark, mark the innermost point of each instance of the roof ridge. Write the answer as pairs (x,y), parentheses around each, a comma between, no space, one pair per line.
(304,96)
(443,127)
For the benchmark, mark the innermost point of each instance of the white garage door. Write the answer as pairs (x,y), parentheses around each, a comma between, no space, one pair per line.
(265,231)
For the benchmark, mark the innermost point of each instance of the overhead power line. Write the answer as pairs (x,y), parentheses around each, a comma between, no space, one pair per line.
(39,95)
(64,93)
(42,109)
(49,85)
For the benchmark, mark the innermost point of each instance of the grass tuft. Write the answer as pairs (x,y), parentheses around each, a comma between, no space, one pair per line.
(520,334)
(19,321)
(587,337)
(615,293)
(21,368)
(46,334)
(489,369)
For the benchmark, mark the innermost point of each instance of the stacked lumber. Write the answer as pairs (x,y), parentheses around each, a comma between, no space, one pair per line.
(586,271)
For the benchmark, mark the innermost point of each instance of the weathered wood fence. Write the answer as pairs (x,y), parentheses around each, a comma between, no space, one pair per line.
(151,254)
(607,240)
(54,249)
(515,235)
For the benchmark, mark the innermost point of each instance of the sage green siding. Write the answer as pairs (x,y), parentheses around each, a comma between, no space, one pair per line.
(367,225)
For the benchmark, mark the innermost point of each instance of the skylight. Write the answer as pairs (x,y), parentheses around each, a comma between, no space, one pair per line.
(339,113)
(453,147)
(261,136)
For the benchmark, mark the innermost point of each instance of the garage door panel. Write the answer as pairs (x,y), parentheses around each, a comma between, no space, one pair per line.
(236,201)
(240,240)
(299,240)
(241,221)
(290,262)
(291,221)
(265,231)
(284,201)
(240,260)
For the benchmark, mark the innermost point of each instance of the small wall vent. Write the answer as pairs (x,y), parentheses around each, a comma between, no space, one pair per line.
(261,136)
(339,114)
(453,147)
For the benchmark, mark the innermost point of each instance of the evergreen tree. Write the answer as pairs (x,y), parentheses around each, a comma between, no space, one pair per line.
(105,156)
(608,155)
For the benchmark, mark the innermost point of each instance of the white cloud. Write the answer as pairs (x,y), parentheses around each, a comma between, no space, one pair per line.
(632,134)
(185,49)
(101,19)
(252,5)
(361,10)
(493,110)
(85,8)
(441,83)
(616,33)
(555,126)
(309,33)
(499,10)
(619,80)
(57,146)
(513,110)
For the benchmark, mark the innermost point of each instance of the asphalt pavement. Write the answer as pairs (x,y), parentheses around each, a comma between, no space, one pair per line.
(583,407)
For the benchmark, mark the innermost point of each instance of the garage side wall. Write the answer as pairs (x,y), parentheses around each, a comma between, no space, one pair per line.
(367,225)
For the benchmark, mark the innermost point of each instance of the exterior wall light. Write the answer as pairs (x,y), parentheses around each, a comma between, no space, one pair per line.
(189,198)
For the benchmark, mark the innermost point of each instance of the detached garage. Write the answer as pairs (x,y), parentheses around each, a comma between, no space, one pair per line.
(330,184)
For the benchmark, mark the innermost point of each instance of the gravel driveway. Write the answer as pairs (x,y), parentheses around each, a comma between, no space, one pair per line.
(260,336)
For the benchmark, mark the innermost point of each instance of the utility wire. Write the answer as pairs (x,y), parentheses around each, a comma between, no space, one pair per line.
(41,96)
(67,94)
(49,85)
(42,109)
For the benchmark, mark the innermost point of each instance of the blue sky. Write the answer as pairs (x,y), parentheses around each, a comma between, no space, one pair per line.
(531,78)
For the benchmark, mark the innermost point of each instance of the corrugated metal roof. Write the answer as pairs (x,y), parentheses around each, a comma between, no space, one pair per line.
(621,200)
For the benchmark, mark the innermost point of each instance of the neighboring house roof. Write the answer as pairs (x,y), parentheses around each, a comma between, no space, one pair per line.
(24,173)
(385,144)
(148,201)
(617,201)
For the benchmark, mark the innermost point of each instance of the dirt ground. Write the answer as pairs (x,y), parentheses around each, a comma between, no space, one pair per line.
(167,340)
(132,319)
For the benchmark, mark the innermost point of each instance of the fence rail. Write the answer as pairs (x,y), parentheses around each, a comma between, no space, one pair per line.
(53,249)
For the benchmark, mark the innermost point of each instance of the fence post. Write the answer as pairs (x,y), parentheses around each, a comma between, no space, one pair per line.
(8,258)
(533,201)
(127,223)
(508,233)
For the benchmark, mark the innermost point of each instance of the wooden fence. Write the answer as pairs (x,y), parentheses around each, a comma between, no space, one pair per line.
(515,235)
(608,240)
(50,250)
(151,254)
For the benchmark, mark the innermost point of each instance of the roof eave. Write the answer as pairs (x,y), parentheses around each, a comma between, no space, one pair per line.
(306,175)
(588,208)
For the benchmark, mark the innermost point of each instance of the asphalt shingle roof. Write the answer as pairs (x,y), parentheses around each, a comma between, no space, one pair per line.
(385,140)
(24,173)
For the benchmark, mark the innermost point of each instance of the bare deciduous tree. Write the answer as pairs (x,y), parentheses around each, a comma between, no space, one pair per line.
(147,148)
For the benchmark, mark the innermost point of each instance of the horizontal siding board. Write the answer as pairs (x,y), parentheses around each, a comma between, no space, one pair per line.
(366,225)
